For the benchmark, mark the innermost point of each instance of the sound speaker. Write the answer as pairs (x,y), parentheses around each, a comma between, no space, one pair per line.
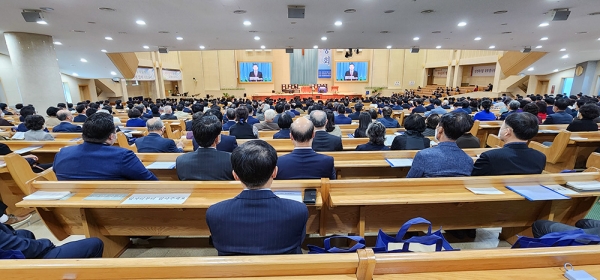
(561,15)
(163,50)
(289,50)
(526,50)
(296,11)
(414,50)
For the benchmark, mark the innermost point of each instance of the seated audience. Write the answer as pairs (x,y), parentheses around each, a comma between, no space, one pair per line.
(154,141)
(268,123)
(515,157)
(431,123)
(251,120)
(241,129)
(65,125)
(468,140)
(376,133)
(341,118)
(25,111)
(230,115)
(52,119)
(587,114)
(284,122)
(168,115)
(357,109)
(323,141)
(364,120)
(81,113)
(513,107)
(559,116)
(331,128)
(387,119)
(35,126)
(446,159)
(206,163)
(542,109)
(257,222)
(227,143)
(134,119)
(97,158)
(412,138)
(437,108)
(534,110)
(418,106)
(179,113)
(543,227)
(303,162)
(485,115)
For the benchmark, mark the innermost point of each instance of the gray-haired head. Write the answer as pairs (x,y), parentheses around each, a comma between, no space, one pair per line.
(318,118)
(154,124)
(514,105)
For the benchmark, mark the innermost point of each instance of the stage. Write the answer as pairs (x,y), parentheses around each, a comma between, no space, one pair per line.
(314,96)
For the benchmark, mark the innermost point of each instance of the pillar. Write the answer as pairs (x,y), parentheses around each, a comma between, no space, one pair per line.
(36,69)
(449,76)
(585,74)
(497,77)
(458,73)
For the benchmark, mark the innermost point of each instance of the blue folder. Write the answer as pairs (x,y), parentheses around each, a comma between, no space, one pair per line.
(537,192)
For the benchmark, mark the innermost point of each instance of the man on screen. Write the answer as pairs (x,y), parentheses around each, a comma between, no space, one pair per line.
(255,75)
(351,74)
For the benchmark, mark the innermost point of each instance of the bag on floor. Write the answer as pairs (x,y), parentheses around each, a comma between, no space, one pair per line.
(557,239)
(431,242)
(328,249)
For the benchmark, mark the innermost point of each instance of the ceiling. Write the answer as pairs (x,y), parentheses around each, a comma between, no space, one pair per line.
(213,24)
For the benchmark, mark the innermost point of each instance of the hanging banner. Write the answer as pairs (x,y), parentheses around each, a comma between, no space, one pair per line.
(483,71)
(144,74)
(440,72)
(324,63)
(171,75)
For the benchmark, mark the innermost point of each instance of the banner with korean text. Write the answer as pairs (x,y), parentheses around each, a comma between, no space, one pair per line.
(483,71)
(324,63)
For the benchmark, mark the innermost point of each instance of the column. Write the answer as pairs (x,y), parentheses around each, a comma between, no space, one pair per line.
(36,69)
(449,76)
(458,72)
(497,77)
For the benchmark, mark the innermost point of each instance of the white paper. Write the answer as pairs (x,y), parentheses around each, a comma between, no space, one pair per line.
(167,198)
(560,189)
(585,186)
(161,165)
(18,136)
(106,196)
(25,150)
(413,247)
(432,143)
(578,138)
(44,195)
(297,196)
(399,162)
(548,131)
(485,190)
(389,139)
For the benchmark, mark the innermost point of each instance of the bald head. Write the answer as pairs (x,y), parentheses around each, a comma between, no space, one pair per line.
(302,130)
(318,118)
(154,124)
(64,115)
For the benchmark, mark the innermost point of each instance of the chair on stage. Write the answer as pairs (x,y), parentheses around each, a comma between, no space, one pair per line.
(335,89)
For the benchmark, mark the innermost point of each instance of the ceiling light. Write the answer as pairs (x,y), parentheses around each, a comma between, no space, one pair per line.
(83,60)
(108,38)
(538,47)
(262,47)
(41,21)
(416,39)
(530,69)
(563,49)
(247,23)
(103,51)
(462,24)
(544,38)
(323,38)
(256,38)
(179,38)
(544,24)
(146,47)
(389,47)
(140,22)
(75,74)
(113,73)
(477,38)
(438,47)
(57,43)
(555,70)
(338,23)
(565,56)
(492,47)
(598,39)
(201,47)
(315,47)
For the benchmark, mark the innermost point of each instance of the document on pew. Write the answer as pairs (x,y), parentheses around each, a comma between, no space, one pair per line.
(585,186)
(548,131)
(167,198)
(350,135)
(297,196)
(578,138)
(399,162)
(490,190)
(44,195)
(161,165)
(389,139)
(106,196)
(25,150)
(537,192)
(560,189)
(18,136)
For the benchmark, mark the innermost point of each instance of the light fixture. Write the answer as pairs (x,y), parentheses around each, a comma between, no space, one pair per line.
(108,38)
(389,47)
(41,21)
(179,38)
(544,39)
(438,47)
(75,74)
(140,22)
(492,47)
(247,23)
(201,47)
(416,39)
(338,23)
(555,70)
(544,24)
(113,73)
(103,51)
(538,47)
(323,38)
(256,38)
(530,69)
(83,60)
(598,39)
(477,38)
(58,43)
(146,47)
(262,47)
(315,47)
(565,56)
(461,24)
(563,50)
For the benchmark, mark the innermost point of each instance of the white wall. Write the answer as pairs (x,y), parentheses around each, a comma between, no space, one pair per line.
(555,79)
(9,81)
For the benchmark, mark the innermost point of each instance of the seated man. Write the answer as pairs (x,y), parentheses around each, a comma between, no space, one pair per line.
(97,158)
(387,119)
(323,141)
(230,114)
(543,227)
(357,108)
(168,115)
(206,163)
(154,141)
(65,117)
(468,140)
(514,108)
(560,116)
(515,157)
(257,222)
(303,162)
(446,159)
(341,118)
(227,143)
(268,123)
(81,108)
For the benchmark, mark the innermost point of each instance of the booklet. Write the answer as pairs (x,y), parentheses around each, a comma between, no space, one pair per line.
(161,165)
(399,162)
(537,192)
(45,195)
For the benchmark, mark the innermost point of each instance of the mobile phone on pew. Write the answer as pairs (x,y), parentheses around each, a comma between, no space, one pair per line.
(310,196)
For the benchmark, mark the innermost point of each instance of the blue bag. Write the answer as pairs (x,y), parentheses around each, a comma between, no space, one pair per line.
(429,240)
(327,245)
(11,254)
(557,239)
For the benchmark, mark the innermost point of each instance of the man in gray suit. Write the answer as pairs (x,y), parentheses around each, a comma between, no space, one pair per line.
(206,163)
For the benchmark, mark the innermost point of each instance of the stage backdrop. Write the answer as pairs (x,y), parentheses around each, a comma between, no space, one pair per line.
(359,74)
(303,67)
(246,70)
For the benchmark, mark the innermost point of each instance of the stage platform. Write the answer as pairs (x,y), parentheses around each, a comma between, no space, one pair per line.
(314,96)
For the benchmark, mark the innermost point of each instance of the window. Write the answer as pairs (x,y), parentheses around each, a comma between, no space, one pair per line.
(67,93)
(567,84)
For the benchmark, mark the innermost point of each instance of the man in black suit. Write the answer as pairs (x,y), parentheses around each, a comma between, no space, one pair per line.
(323,141)
(515,157)
(257,221)
(351,75)
(560,116)
(207,163)
(154,141)
(255,75)
(357,108)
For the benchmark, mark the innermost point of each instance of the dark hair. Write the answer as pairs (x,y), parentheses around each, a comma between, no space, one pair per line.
(34,122)
(415,122)
(98,127)
(589,111)
(61,105)
(524,125)
(19,106)
(284,121)
(80,108)
(387,111)
(465,104)
(373,113)
(562,103)
(531,108)
(341,109)
(437,102)
(206,129)
(213,112)
(197,107)
(51,111)
(279,108)
(27,111)
(486,105)
(432,121)
(3,106)
(542,107)
(197,115)
(330,126)
(134,113)
(230,114)
(376,133)
(455,124)
(90,111)
(241,114)
(358,107)
(254,163)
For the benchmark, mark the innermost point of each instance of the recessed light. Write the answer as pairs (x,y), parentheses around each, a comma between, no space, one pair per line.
(256,38)
(262,47)
(598,39)
(315,47)
(530,69)
(389,47)
(565,56)
(477,38)
(323,38)
(555,70)
(338,23)
(91,22)
(41,21)
(145,47)
(201,47)
(179,38)
(247,23)
(108,38)
(140,22)
(103,51)
(462,24)
(83,60)
(113,73)
(75,74)
(239,12)
(438,47)
(563,49)
(492,47)
(416,39)
(544,39)
(349,11)
(544,24)
(57,43)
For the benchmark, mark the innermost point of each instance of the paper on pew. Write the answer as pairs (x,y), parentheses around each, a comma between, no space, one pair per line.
(18,136)
(399,162)
(25,150)
(490,190)
(578,138)
(585,186)
(389,139)
(106,196)
(161,165)
(560,189)
(168,198)
(44,195)
(297,196)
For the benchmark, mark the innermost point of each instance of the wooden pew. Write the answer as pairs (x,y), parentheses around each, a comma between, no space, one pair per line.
(569,150)
(48,148)
(265,134)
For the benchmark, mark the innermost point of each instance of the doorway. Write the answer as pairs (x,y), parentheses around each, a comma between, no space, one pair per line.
(429,76)
(84,92)
(542,87)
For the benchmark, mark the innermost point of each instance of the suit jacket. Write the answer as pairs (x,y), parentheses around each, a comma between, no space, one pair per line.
(341,119)
(188,125)
(67,127)
(252,120)
(560,117)
(267,126)
(92,161)
(168,117)
(325,142)
(259,74)
(154,143)
(228,143)
(305,164)
(410,140)
(282,134)
(354,116)
(228,125)
(354,74)
(582,125)
(205,164)
(31,248)
(38,135)
(419,109)
(257,222)
(468,141)
(371,147)
(389,122)
(512,159)
(137,122)
(80,118)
